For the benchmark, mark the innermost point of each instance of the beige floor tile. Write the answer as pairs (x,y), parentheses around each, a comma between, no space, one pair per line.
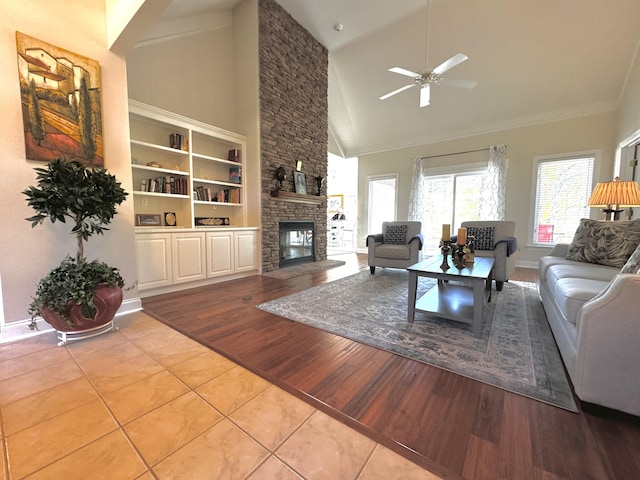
(222,452)
(232,389)
(178,352)
(123,373)
(385,464)
(15,349)
(36,381)
(107,357)
(325,448)
(31,449)
(146,476)
(274,469)
(29,411)
(108,458)
(139,324)
(32,361)
(141,397)
(202,368)
(271,416)
(101,342)
(166,429)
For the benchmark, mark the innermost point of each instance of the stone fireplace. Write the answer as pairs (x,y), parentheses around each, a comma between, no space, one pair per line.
(296,241)
(293,72)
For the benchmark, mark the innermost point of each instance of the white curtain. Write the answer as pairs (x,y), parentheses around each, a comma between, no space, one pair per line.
(494,199)
(493,204)
(416,196)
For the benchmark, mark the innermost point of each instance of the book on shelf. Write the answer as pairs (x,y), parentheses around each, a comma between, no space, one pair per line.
(235,174)
(235,155)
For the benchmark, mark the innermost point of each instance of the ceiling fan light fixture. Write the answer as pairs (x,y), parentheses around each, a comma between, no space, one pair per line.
(425,95)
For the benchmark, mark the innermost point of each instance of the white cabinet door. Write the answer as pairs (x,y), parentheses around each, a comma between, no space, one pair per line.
(188,254)
(153,254)
(245,250)
(220,257)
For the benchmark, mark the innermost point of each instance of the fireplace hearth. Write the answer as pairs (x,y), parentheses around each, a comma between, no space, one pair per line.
(296,242)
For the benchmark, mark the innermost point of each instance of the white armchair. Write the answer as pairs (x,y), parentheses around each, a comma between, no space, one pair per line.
(495,238)
(398,246)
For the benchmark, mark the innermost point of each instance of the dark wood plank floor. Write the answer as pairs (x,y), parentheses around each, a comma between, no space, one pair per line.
(453,426)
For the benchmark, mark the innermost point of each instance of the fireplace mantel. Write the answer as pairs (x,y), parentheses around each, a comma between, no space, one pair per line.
(297,197)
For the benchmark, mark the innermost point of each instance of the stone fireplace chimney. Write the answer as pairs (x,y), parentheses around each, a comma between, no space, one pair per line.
(293,126)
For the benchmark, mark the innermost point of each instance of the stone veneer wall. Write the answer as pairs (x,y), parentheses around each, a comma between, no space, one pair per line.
(293,123)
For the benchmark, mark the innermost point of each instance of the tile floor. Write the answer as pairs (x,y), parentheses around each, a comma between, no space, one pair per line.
(146,402)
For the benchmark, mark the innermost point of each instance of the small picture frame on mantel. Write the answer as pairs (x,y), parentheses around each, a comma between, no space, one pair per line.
(300,182)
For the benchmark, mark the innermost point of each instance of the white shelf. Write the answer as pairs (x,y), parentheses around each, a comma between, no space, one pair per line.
(159,170)
(162,148)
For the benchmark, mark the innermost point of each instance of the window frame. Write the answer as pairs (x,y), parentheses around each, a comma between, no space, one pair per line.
(376,178)
(596,154)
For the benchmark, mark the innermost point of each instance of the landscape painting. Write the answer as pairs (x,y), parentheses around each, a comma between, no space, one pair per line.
(61,108)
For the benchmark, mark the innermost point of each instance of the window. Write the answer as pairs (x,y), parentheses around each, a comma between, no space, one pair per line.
(562,190)
(382,201)
(453,199)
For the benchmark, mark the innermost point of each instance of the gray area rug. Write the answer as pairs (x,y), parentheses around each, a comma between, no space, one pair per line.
(517,351)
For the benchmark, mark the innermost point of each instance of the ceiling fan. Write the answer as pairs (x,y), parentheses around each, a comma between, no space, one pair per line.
(425,80)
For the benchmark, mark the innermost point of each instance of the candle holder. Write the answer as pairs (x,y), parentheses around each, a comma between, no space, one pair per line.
(458,259)
(445,248)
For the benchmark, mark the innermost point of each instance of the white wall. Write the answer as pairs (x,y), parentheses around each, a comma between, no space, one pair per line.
(523,144)
(27,254)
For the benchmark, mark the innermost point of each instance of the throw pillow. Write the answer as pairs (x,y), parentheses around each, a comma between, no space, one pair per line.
(483,236)
(633,264)
(396,235)
(608,243)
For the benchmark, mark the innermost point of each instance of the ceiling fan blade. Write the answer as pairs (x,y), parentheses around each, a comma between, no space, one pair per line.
(425,95)
(457,59)
(455,82)
(402,71)
(401,89)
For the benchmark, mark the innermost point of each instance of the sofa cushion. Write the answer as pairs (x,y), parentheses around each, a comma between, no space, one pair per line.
(396,235)
(604,242)
(572,293)
(633,264)
(585,271)
(483,237)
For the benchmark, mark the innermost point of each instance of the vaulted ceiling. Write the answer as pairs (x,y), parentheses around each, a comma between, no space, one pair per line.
(533,62)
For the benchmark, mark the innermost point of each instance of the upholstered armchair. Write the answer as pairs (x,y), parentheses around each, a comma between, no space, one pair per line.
(494,238)
(398,246)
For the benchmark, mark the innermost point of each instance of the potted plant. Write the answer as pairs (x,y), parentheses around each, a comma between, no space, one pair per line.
(78,294)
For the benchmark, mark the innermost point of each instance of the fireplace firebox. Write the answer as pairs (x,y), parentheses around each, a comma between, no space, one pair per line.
(296,241)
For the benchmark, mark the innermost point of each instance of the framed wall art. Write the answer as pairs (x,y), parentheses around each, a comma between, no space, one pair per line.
(300,181)
(335,203)
(61,105)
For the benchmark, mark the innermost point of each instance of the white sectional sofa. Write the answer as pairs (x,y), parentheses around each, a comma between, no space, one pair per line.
(594,313)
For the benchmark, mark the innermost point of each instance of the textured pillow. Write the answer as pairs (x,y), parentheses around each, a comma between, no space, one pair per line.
(604,242)
(396,235)
(483,236)
(633,264)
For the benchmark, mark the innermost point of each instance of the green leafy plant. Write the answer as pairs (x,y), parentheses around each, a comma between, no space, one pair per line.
(88,197)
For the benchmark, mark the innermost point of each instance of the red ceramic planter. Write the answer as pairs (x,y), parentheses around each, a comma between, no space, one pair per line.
(107,300)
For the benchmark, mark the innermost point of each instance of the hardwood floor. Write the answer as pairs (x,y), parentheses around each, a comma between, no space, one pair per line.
(451,425)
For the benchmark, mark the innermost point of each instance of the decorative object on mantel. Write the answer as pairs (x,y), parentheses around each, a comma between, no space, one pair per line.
(319,183)
(300,182)
(280,176)
(70,296)
(614,197)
